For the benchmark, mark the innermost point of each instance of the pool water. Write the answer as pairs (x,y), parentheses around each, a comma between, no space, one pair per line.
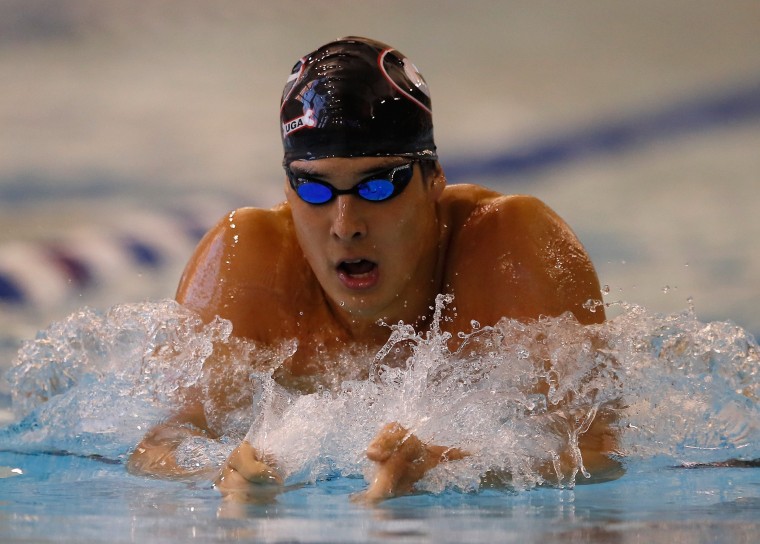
(75,499)
(87,388)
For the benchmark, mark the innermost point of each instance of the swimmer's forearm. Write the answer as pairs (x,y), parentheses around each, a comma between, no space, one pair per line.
(156,455)
(598,448)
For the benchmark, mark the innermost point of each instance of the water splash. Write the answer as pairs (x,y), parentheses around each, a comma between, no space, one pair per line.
(95,382)
(516,396)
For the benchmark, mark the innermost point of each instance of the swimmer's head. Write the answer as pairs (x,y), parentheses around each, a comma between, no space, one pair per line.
(356,97)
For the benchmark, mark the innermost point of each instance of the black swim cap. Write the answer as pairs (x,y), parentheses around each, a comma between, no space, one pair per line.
(356,97)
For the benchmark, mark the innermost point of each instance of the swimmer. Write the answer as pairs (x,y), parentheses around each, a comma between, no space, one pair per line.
(369,234)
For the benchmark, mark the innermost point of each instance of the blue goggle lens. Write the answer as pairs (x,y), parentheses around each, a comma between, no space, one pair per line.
(376,189)
(314,193)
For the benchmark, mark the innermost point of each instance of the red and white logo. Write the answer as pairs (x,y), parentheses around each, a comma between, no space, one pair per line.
(305,121)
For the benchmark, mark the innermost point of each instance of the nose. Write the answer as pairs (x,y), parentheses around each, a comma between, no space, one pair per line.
(348,223)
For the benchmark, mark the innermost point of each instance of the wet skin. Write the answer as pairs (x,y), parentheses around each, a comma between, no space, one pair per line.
(330,274)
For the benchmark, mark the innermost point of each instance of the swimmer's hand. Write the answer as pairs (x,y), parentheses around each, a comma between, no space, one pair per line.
(248,476)
(402,460)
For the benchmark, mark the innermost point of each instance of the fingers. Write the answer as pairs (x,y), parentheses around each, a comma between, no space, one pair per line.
(402,460)
(390,438)
(447,454)
(394,438)
(245,475)
(247,462)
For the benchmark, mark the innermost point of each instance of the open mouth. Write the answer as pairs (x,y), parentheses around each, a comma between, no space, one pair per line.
(357,267)
(358,274)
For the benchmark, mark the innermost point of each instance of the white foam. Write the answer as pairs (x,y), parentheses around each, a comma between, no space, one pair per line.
(95,383)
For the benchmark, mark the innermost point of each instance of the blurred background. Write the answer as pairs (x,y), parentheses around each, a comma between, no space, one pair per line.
(127,128)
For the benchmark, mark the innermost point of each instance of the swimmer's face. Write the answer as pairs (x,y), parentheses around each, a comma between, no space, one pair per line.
(374,260)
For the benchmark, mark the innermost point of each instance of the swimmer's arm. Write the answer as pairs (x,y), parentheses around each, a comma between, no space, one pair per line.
(600,447)
(401,460)
(600,457)
(207,285)
(600,450)
(156,456)
(246,476)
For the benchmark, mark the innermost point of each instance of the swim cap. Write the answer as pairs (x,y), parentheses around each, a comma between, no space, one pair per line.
(356,97)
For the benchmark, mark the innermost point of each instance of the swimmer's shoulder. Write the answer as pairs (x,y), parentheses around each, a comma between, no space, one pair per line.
(255,222)
(250,232)
(469,206)
(239,255)
(542,267)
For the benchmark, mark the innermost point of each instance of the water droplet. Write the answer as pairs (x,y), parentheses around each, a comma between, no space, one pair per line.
(592,304)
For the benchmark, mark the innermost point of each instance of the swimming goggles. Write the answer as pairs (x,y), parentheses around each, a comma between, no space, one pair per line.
(376,188)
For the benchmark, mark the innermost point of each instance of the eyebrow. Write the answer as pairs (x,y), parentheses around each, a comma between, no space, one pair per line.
(308,170)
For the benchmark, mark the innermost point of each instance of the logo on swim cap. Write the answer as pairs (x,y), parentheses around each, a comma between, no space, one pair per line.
(357,98)
(305,121)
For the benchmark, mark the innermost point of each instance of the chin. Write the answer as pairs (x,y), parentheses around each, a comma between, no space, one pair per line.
(361,307)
